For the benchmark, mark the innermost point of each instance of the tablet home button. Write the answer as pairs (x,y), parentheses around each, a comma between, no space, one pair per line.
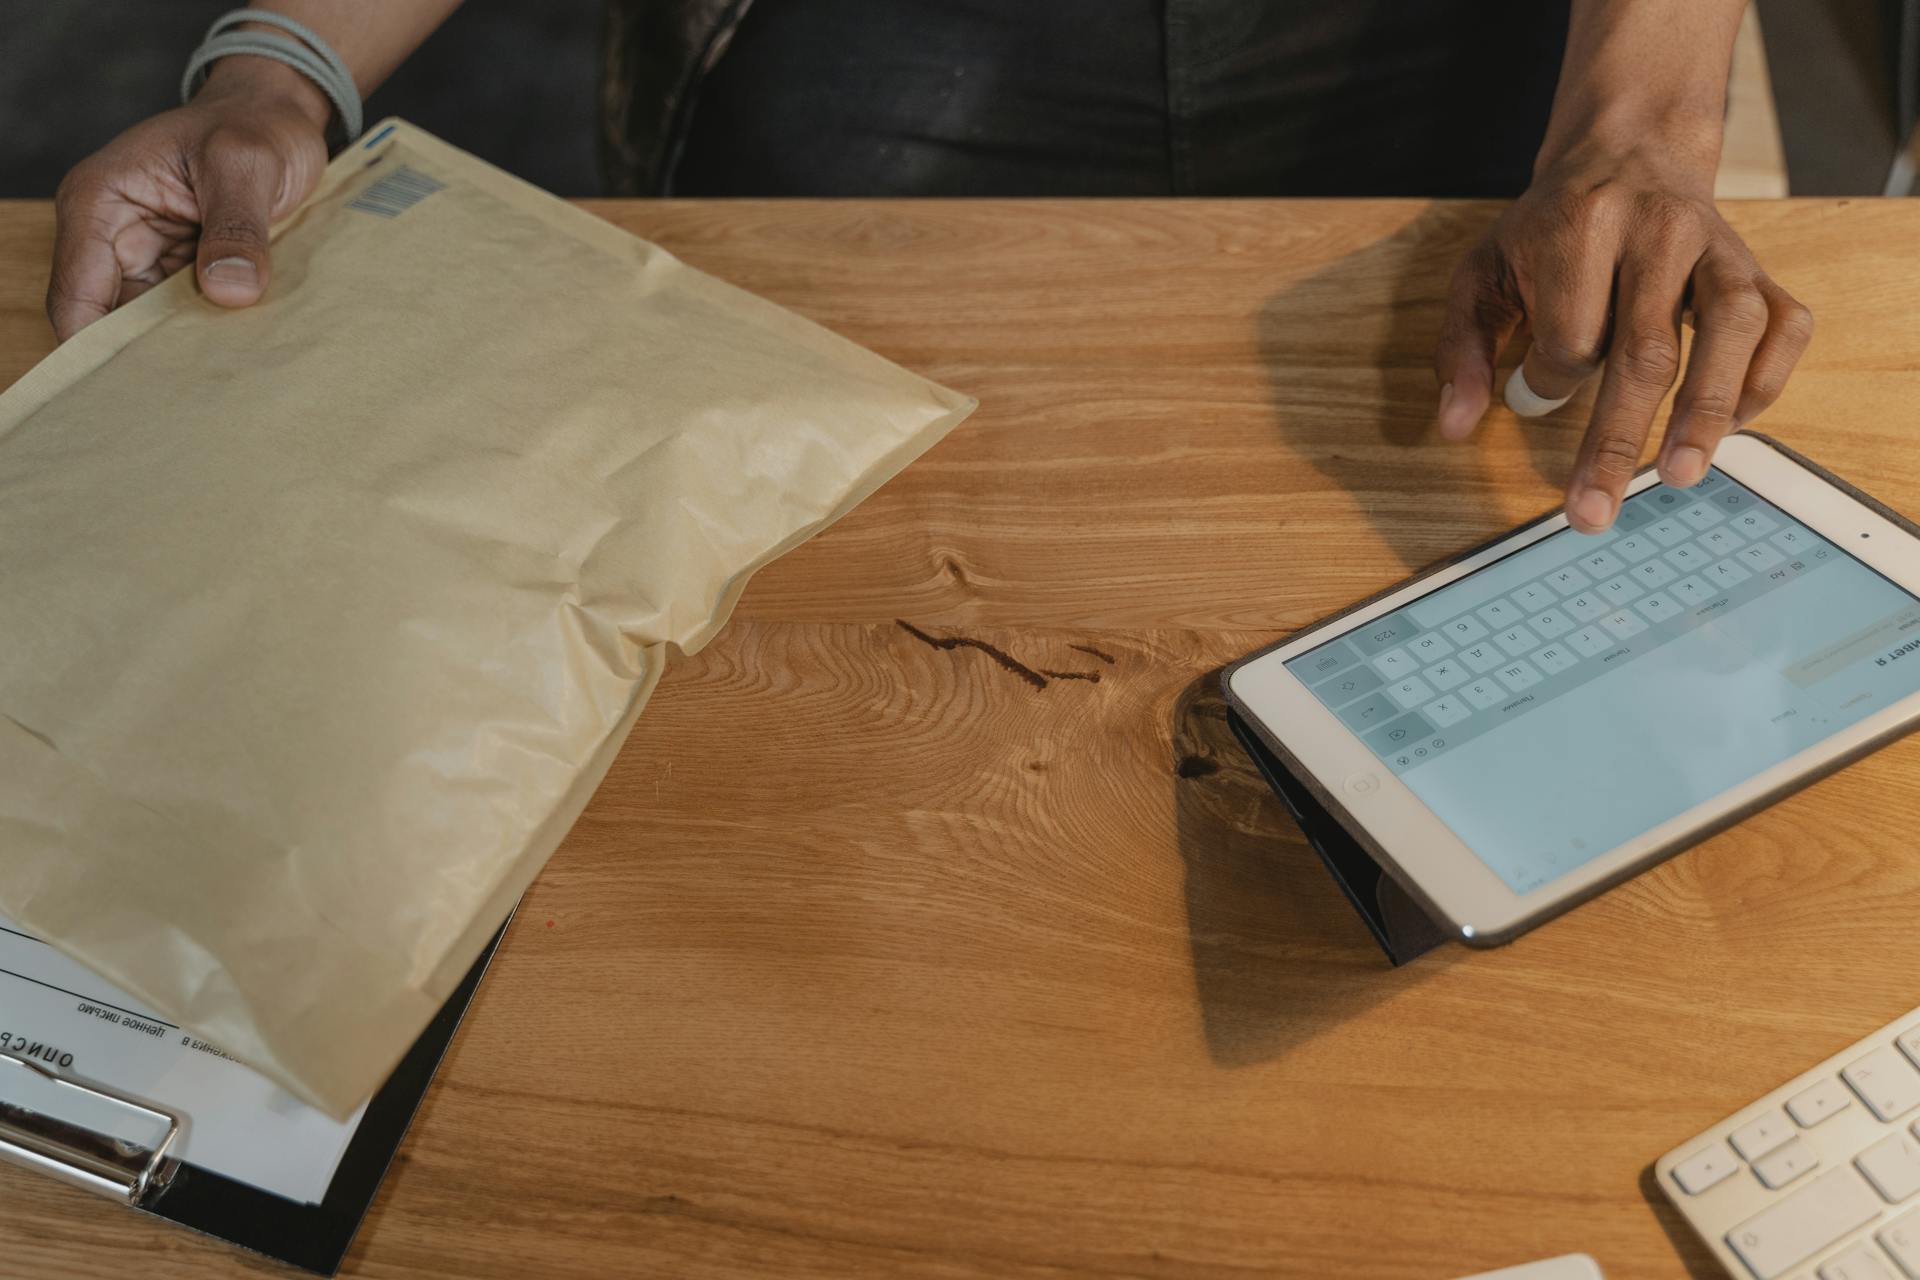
(1363,783)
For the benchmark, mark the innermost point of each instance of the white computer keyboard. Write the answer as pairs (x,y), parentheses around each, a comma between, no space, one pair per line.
(1820,1178)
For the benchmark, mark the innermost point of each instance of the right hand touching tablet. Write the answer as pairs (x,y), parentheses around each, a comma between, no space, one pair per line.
(202,184)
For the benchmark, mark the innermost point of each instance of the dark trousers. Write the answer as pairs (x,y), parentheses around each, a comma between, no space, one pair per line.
(1126,97)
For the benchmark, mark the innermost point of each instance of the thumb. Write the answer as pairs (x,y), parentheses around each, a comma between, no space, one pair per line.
(235,183)
(1481,316)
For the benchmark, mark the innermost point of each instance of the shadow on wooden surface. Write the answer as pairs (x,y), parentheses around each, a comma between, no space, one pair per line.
(1279,955)
(1349,356)
(1700,1264)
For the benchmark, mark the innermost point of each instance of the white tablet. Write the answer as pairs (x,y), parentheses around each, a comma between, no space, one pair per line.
(1527,725)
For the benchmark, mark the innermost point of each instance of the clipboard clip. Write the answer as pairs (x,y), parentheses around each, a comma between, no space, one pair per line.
(114,1167)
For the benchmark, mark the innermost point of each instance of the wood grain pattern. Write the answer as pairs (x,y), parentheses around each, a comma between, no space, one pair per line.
(883,955)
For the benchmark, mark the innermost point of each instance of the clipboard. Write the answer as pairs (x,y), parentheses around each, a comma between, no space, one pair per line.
(147,1177)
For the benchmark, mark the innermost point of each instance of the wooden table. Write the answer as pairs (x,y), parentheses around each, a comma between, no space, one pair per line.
(931,925)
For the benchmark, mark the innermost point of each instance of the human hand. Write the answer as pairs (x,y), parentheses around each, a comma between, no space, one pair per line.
(1601,259)
(203,183)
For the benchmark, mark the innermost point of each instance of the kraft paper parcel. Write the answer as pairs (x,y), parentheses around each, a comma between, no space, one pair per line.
(321,621)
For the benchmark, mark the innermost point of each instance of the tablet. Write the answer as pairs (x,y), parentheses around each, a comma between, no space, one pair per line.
(1547,715)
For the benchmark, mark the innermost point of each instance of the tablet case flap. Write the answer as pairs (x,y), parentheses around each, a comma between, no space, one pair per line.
(1396,921)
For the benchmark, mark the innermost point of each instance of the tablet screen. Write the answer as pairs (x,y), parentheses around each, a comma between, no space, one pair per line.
(1575,694)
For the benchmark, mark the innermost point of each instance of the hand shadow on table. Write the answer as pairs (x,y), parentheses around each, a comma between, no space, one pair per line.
(1279,955)
(1349,354)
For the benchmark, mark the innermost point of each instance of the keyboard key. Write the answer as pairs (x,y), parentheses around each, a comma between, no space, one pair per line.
(1901,1238)
(1591,642)
(1533,597)
(1703,515)
(1411,692)
(1567,580)
(1347,686)
(1499,614)
(1371,710)
(1465,629)
(1725,573)
(1658,607)
(1554,659)
(1720,542)
(1635,547)
(1691,591)
(1760,556)
(1654,573)
(1395,663)
(1619,590)
(1446,711)
(1484,693)
(1481,658)
(1326,660)
(1517,640)
(1585,607)
(1789,1231)
(1792,541)
(1632,515)
(1551,622)
(1384,633)
(1761,1136)
(1669,533)
(1445,675)
(1430,647)
(1705,1169)
(1779,1168)
(1857,1262)
(1909,1042)
(1623,624)
(1601,564)
(1821,1102)
(1886,1082)
(1733,500)
(1405,731)
(1518,674)
(1752,524)
(1892,1165)
(1688,557)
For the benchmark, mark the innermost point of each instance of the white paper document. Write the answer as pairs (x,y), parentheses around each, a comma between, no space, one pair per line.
(237,1123)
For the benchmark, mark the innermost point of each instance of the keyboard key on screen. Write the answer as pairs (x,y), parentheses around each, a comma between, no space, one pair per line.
(1567,580)
(1702,515)
(1554,659)
(1760,556)
(1619,590)
(1395,663)
(1465,629)
(1517,640)
(1591,641)
(1654,573)
(1718,542)
(1430,647)
(1347,685)
(1791,540)
(1445,674)
(1500,613)
(1483,693)
(1602,564)
(1658,607)
(1532,597)
(1518,674)
(1669,533)
(1725,573)
(1688,558)
(1752,524)
(1691,591)
(1635,547)
(1411,692)
(1481,658)
(1374,709)
(1732,500)
(1446,711)
(1393,735)
(1551,622)
(1623,624)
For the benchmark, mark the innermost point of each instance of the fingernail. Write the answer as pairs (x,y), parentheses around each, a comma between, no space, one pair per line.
(1455,422)
(1592,510)
(1686,464)
(233,271)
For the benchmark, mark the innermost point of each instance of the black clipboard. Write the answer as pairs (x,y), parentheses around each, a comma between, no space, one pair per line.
(313,1237)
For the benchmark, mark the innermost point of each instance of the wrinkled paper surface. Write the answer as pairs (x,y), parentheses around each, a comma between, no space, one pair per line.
(321,621)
